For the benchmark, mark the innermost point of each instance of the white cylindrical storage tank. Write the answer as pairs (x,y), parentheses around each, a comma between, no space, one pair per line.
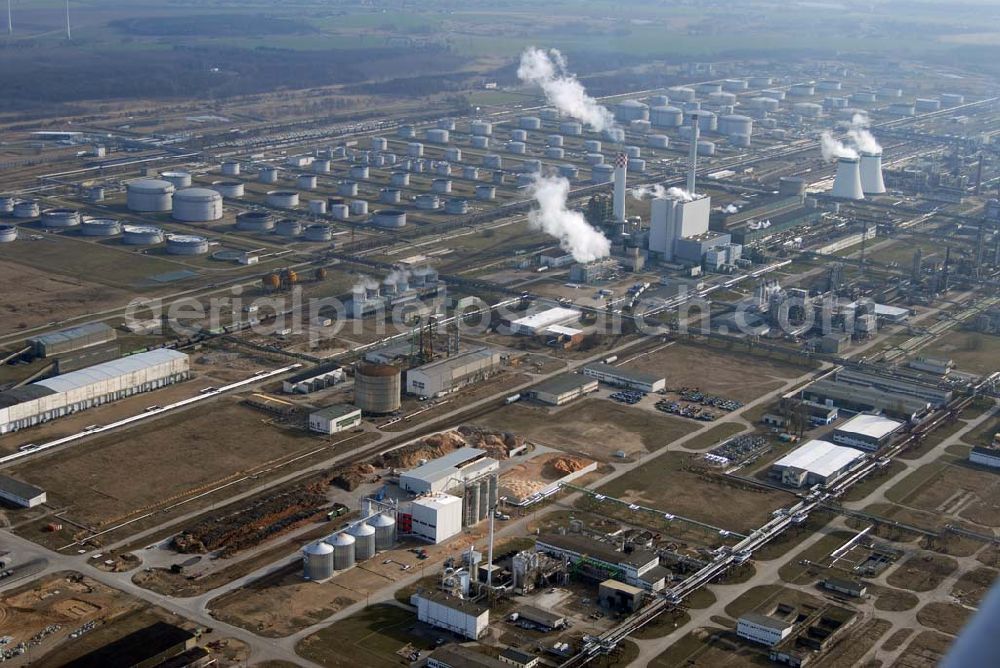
(735,85)
(456,206)
(471,173)
(186,244)
(554,153)
(691,106)
(347,188)
(802,90)
(617,135)
(197,205)
(480,128)
(657,101)
(773,93)
(359,207)
(592,146)
(267,174)
(364,537)
(707,121)
(317,562)
(658,141)
(720,99)
(529,123)
(890,92)
(406,132)
(441,186)
(681,94)
(835,102)
(385,532)
(340,211)
(594,158)
(524,180)
(480,142)
(708,88)
(380,143)
(555,140)
(764,104)
(150,195)
(231,168)
(602,173)
(640,126)
(317,207)
(318,232)
(231,189)
(517,147)
(828,85)
(141,235)
(531,166)
(736,124)
(572,128)
(549,114)
(359,171)
(343,550)
(706,147)
(400,179)
(180,179)
(492,161)
(282,199)
(389,196)
(391,218)
(633,151)
(446,123)
(6,205)
(427,202)
(453,154)
(569,171)
(288,227)
(637,165)
(442,168)
(415,149)
(254,221)
(100,227)
(51,218)
(807,109)
(436,136)
(8,233)
(389,158)
(760,82)
(519,135)
(486,192)
(740,141)
(321,166)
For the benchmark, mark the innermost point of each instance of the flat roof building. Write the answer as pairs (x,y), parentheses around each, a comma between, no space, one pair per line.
(518,658)
(638,568)
(762,629)
(985,457)
(563,388)
(145,648)
(458,615)
(435,518)
(460,656)
(538,322)
(864,399)
(868,432)
(21,493)
(334,419)
(908,387)
(616,595)
(544,618)
(815,462)
(70,339)
(451,470)
(627,378)
(451,373)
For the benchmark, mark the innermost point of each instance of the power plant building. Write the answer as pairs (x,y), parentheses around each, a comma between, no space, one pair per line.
(451,373)
(70,339)
(674,218)
(48,399)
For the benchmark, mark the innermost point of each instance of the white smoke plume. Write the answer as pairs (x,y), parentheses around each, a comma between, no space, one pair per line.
(561,88)
(574,233)
(731,208)
(398,275)
(365,281)
(642,192)
(861,137)
(833,148)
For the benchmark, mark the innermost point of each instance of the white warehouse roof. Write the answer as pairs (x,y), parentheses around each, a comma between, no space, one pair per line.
(447,465)
(436,501)
(553,316)
(821,458)
(108,370)
(874,426)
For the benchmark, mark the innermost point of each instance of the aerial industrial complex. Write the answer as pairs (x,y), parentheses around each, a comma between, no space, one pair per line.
(593,357)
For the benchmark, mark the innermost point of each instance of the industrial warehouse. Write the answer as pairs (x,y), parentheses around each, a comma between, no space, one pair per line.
(564,388)
(626,378)
(452,373)
(49,399)
(868,432)
(814,462)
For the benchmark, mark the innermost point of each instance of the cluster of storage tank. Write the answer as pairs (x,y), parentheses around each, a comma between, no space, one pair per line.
(342,550)
(194,205)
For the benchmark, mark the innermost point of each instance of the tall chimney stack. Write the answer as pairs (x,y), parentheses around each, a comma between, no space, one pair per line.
(871,173)
(693,154)
(847,184)
(621,172)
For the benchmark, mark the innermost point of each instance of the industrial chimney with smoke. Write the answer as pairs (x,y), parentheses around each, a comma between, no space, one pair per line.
(693,155)
(621,173)
(847,184)
(871,173)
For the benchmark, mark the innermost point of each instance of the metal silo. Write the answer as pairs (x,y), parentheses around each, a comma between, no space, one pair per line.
(180,179)
(150,195)
(364,541)
(8,233)
(377,388)
(385,532)
(197,205)
(317,562)
(226,189)
(343,550)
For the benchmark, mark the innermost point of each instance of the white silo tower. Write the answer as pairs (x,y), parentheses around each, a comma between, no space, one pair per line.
(343,550)
(385,532)
(847,183)
(317,562)
(364,536)
(871,173)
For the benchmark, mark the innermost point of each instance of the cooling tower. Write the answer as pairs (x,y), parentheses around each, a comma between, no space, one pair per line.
(871,174)
(847,184)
